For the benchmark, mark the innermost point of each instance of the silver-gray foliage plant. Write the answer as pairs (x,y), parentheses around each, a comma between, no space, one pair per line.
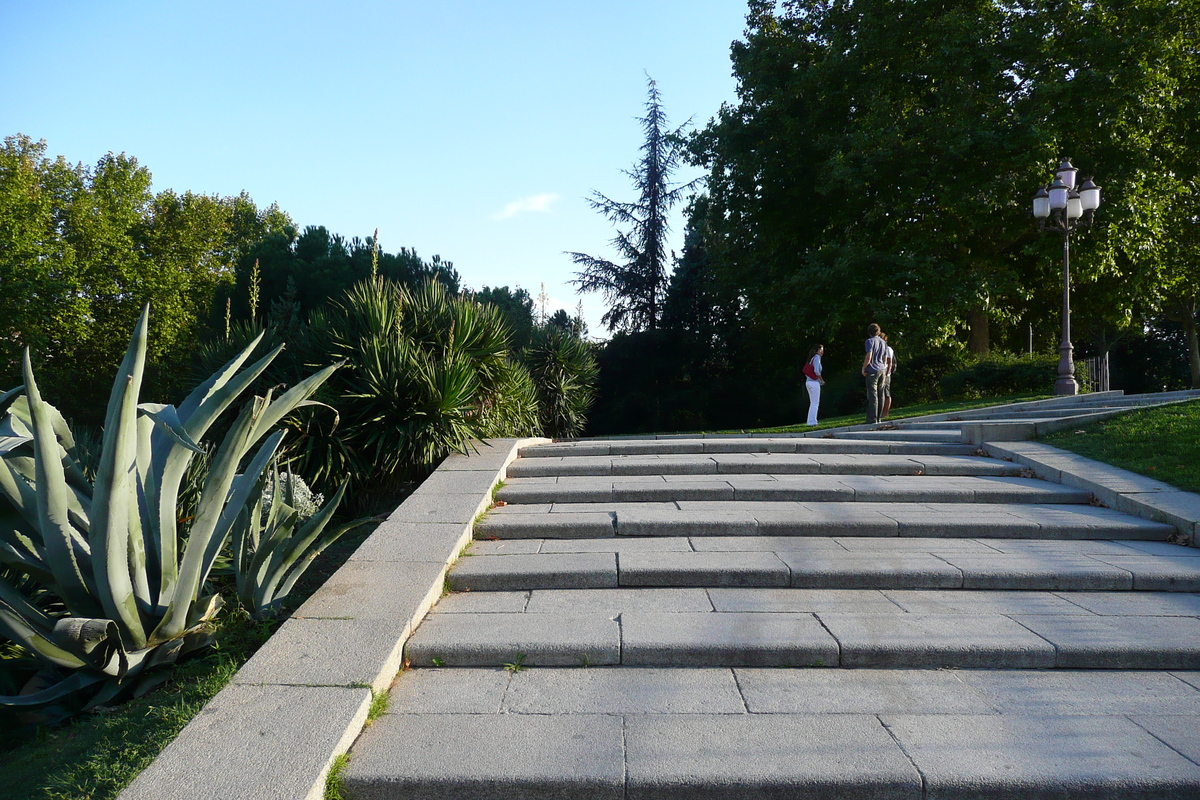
(127,574)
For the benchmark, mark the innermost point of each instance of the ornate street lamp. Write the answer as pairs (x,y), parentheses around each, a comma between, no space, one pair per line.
(1062,206)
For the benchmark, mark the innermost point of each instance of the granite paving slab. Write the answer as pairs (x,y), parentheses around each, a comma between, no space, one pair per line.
(870,571)
(1007,757)
(864,601)
(725,639)
(476,756)
(484,640)
(617,601)
(1119,642)
(938,640)
(535,571)
(1038,571)
(478,690)
(624,690)
(861,691)
(569,525)
(483,603)
(971,602)
(1159,573)
(250,731)
(1090,692)
(703,569)
(1138,604)
(809,544)
(328,652)
(756,757)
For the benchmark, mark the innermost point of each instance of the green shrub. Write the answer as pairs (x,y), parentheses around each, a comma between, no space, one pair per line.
(564,372)
(998,375)
(427,371)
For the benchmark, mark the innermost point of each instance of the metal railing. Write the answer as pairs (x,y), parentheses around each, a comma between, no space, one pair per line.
(1092,374)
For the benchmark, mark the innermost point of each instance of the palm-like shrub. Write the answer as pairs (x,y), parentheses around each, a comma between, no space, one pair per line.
(427,371)
(564,373)
(128,574)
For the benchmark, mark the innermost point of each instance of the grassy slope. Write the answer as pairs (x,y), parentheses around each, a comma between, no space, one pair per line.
(1162,443)
(94,756)
(900,413)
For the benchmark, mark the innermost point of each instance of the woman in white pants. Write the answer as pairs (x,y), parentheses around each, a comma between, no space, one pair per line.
(814,382)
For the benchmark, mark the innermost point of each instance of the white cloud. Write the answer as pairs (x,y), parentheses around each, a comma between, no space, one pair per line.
(538,202)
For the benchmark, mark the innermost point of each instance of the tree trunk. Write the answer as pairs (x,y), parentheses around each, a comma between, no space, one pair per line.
(977,323)
(1193,343)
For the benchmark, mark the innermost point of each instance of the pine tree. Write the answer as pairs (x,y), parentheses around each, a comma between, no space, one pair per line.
(635,287)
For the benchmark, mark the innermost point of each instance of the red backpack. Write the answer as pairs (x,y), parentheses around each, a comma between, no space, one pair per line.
(810,371)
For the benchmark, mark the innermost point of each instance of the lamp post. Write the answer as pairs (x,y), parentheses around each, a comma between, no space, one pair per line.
(1063,206)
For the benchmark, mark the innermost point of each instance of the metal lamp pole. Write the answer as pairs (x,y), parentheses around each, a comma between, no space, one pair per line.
(1062,206)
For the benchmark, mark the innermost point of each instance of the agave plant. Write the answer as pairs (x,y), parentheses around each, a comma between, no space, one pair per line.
(129,573)
(280,531)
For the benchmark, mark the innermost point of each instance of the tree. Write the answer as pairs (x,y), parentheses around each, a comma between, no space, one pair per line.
(82,250)
(635,287)
(517,308)
(879,161)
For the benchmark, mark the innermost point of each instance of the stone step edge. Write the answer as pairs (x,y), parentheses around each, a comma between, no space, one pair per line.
(895,755)
(278,735)
(798,640)
(1113,487)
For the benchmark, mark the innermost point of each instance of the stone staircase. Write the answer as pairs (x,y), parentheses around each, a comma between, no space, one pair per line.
(1014,421)
(866,616)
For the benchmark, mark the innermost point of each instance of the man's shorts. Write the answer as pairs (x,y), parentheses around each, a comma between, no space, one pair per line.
(887,385)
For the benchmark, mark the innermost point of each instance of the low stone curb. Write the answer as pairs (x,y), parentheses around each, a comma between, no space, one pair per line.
(1114,487)
(303,698)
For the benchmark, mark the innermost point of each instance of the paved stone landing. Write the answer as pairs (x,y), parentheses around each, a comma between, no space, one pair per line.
(884,614)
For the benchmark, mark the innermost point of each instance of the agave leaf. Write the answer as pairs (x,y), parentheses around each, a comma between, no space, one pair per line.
(292,399)
(112,500)
(260,573)
(14,433)
(58,534)
(239,494)
(66,687)
(203,542)
(300,565)
(6,397)
(284,556)
(203,393)
(96,641)
(167,419)
(31,634)
(21,413)
(196,414)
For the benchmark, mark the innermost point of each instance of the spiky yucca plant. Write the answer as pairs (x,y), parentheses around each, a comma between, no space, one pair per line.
(564,371)
(129,573)
(426,372)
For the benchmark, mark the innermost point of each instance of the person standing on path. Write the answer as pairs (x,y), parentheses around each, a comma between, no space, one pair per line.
(814,382)
(874,370)
(887,378)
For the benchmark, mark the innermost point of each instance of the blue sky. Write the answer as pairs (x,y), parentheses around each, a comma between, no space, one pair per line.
(473,130)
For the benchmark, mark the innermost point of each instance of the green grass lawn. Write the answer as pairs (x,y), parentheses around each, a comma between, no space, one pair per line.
(947,407)
(95,755)
(1162,443)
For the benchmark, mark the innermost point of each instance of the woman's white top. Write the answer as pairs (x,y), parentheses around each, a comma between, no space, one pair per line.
(816,362)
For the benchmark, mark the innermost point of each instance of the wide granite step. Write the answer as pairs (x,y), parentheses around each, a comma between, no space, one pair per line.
(732,734)
(756,444)
(797,488)
(763,463)
(973,636)
(797,563)
(701,518)
(901,434)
